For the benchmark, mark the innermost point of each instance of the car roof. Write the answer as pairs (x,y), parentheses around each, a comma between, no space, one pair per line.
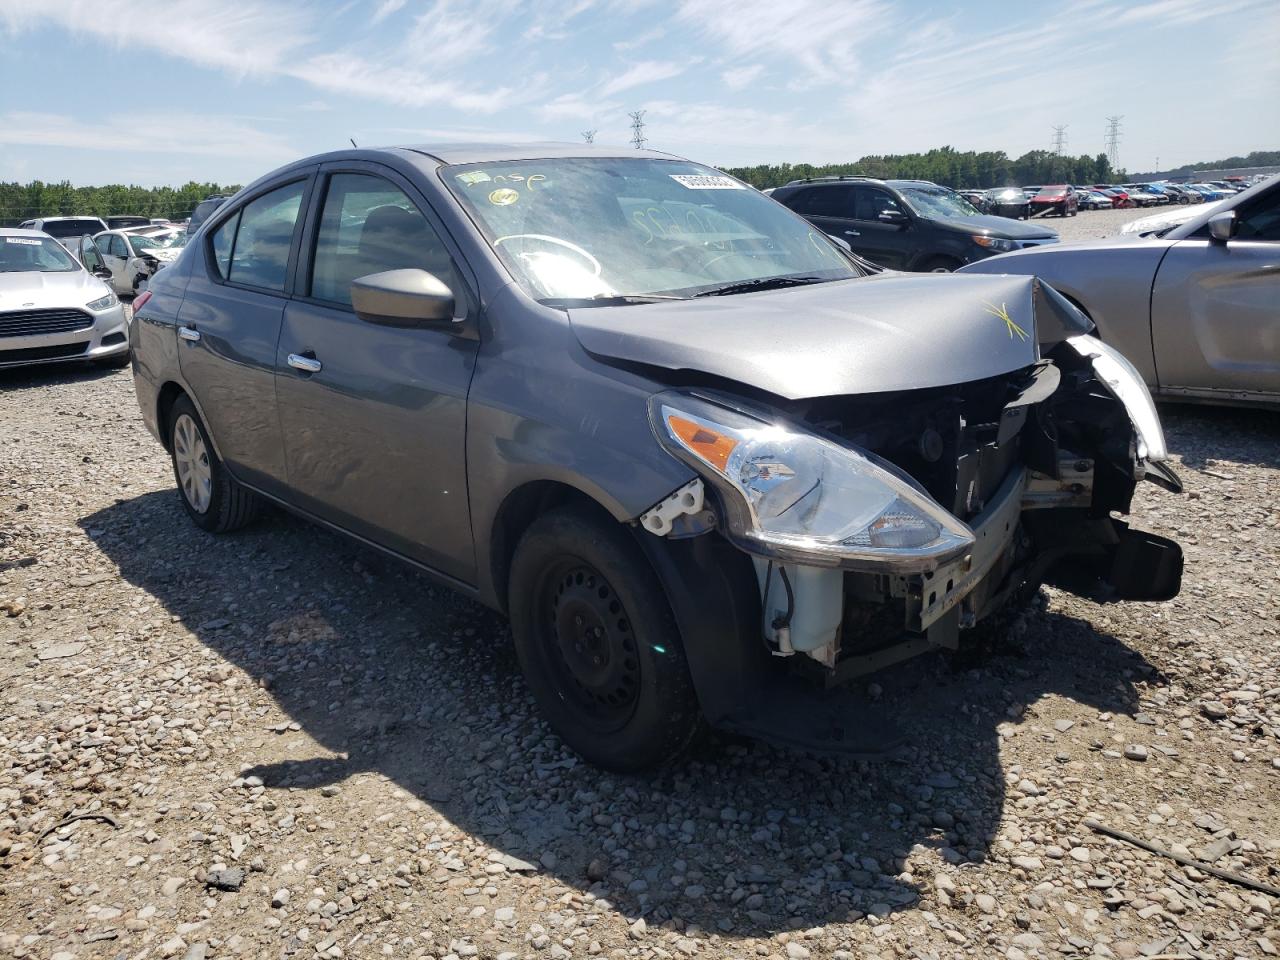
(450,153)
(22,232)
(78,216)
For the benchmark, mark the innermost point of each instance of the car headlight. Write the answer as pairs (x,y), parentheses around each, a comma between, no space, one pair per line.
(996,244)
(1126,385)
(797,496)
(102,303)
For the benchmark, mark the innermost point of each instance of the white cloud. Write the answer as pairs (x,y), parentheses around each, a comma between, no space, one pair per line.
(644,72)
(738,78)
(819,36)
(249,37)
(385,9)
(173,133)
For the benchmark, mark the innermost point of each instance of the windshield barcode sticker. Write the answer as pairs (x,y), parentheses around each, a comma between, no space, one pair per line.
(26,241)
(693,182)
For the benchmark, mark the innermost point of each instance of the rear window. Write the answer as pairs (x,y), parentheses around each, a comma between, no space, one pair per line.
(76,227)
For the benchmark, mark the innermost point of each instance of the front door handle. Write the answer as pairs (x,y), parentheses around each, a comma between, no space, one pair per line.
(189,333)
(306,364)
(852,233)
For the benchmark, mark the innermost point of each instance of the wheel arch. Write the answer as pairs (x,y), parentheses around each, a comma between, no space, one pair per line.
(517,512)
(165,399)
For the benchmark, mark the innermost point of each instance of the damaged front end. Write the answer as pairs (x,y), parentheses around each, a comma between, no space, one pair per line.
(880,526)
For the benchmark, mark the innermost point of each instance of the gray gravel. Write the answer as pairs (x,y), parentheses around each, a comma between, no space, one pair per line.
(1092,224)
(305,750)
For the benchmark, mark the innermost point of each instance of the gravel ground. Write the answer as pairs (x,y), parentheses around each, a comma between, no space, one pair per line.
(1091,224)
(281,744)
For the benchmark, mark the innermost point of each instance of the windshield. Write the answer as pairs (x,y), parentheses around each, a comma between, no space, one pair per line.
(596,228)
(1051,191)
(34,255)
(71,228)
(161,242)
(935,203)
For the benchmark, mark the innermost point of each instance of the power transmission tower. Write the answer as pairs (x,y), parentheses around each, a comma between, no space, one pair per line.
(1111,141)
(1059,139)
(637,129)
(589,136)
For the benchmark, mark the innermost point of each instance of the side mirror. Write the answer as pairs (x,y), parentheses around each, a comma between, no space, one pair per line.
(101,272)
(402,298)
(840,242)
(895,217)
(1223,226)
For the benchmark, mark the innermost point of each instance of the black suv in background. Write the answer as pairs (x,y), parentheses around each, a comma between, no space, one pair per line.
(907,224)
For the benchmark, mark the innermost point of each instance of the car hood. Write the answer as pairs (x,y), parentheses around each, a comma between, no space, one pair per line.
(35,291)
(998,227)
(887,332)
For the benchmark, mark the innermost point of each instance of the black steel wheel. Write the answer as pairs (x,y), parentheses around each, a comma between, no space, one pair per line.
(598,644)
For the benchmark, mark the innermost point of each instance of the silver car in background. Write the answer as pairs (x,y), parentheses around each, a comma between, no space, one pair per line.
(53,308)
(1195,306)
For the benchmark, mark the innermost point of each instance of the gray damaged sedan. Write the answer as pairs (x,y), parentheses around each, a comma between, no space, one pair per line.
(1192,302)
(710,464)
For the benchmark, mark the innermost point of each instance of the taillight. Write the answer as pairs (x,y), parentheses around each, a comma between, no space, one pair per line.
(141,301)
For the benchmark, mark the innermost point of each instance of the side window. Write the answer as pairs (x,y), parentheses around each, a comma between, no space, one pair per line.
(222,241)
(115,246)
(369,225)
(1261,219)
(260,252)
(831,201)
(872,203)
(89,255)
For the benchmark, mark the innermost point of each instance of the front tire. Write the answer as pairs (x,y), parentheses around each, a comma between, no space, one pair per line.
(939,265)
(598,643)
(212,498)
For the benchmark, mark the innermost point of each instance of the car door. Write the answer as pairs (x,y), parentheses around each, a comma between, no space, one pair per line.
(1214,319)
(90,256)
(116,257)
(374,416)
(829,207)
(229,325)
(888,244)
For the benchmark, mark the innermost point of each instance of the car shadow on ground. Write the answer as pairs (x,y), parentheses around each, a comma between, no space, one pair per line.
(1254,432)
(53,374)
(390,673)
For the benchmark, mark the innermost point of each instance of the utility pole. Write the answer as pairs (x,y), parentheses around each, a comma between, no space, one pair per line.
(1059,139)
(1111,140)
(637,129)
(589,136)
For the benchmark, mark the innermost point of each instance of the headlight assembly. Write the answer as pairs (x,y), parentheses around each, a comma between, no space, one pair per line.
(995,243)
(102,303)
(797,496)
(1126,384)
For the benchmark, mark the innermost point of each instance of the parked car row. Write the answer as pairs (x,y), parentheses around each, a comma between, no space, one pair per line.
(1022,203)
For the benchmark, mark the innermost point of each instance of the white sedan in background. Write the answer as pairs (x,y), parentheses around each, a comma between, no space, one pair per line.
(53,308)
(134,254)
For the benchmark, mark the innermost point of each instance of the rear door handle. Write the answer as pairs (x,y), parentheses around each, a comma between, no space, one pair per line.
(189,333)
(307,364)
(852,233)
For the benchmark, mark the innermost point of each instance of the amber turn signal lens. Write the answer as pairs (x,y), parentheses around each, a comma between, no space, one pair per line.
(710,445)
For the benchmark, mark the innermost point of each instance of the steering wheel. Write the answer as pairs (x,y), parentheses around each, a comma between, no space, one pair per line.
(572,247)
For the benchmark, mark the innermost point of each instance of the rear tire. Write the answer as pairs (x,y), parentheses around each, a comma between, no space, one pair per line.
(598,643)
(211,496)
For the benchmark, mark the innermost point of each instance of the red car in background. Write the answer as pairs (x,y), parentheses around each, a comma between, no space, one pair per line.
(1060,199)
(1119,198)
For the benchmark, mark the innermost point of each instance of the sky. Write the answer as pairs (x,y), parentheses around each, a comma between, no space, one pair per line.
(123,91)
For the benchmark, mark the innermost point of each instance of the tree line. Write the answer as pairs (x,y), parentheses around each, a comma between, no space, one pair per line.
(19,201)
(957,169)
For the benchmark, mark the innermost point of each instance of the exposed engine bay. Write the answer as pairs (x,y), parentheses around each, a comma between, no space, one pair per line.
(1035,463)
